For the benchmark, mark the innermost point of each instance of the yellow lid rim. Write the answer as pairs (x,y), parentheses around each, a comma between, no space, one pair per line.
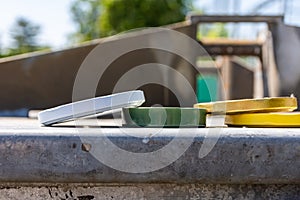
(275,104)
(264,119)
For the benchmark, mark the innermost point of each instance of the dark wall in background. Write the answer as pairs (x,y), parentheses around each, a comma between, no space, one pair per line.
(46,80)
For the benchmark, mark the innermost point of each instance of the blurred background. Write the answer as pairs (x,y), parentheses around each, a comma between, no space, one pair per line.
(254,48)
(59,24)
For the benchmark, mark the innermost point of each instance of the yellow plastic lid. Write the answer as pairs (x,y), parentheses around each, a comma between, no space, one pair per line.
(273,104)
(279,119)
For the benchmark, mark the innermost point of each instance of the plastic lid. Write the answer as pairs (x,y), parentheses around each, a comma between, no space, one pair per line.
(291,119)
(163,117)
(92,106)
(273,104)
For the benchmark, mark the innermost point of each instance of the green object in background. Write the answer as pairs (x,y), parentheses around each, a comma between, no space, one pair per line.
(164,117)
(207,88)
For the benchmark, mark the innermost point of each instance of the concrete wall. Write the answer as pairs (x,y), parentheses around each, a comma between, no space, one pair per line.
(287,48)
(241,81)
(43,80)
(39,81)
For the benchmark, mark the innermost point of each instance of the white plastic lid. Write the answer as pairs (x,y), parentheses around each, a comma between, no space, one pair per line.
(93,106)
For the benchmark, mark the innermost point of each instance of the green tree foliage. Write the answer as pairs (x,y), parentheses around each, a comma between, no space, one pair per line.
(85,14)
(215,30)
(124,15)
(24,34)
(99,18)
(218,30)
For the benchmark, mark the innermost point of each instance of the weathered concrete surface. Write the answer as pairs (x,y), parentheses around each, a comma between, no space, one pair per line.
(50,163)
(153,192)
(30,153)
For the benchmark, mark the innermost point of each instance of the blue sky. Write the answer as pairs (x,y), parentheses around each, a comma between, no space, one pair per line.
(53,16)
(55,19)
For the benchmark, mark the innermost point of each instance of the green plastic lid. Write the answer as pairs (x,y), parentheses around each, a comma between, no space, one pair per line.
(164,117)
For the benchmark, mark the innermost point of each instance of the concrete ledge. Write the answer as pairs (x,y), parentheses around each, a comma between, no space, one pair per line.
(153,192)
(33,154)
